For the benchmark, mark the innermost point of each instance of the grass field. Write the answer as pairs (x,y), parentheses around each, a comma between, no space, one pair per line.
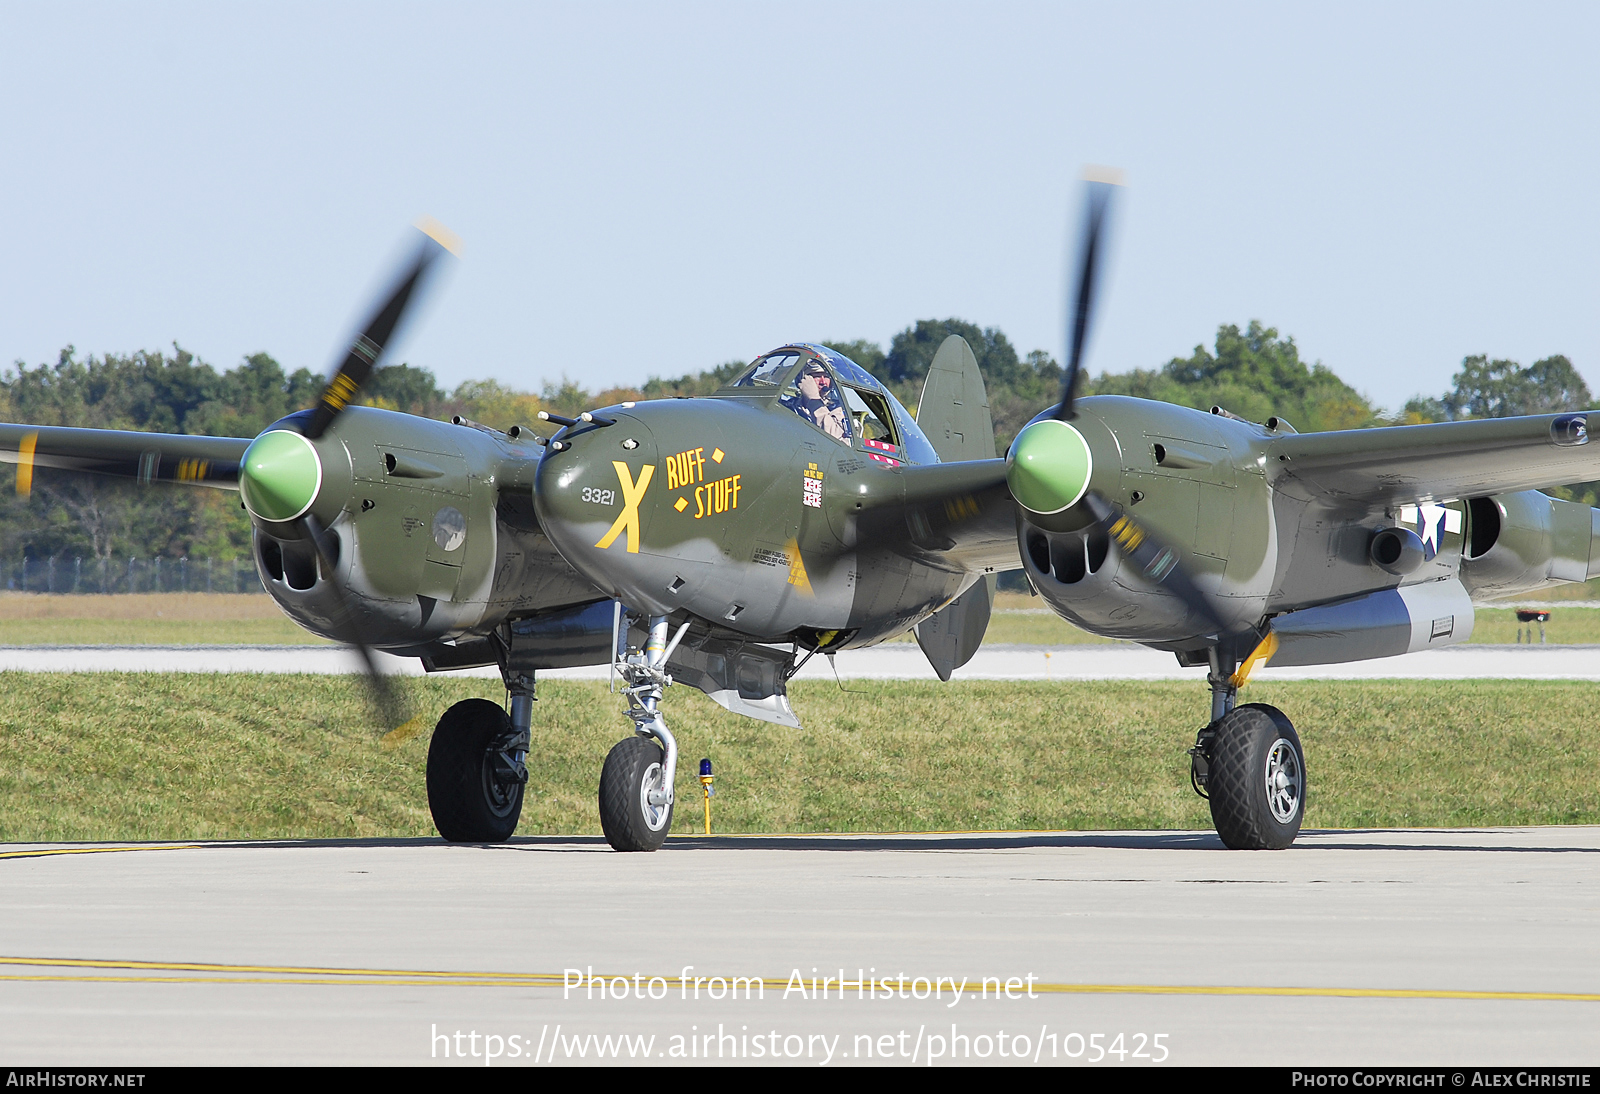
(185,619)
(146,619)
(111,757)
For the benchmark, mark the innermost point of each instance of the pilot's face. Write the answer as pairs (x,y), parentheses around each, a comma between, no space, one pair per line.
(814,385)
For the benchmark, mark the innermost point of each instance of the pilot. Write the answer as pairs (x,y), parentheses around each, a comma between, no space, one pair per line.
(818,402)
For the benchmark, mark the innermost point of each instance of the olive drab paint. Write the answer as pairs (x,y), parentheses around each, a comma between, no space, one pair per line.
(767,524)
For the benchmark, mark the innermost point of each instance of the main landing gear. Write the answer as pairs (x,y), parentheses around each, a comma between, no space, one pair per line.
(477,761)
(636,783)
(1249,764)
(477,766)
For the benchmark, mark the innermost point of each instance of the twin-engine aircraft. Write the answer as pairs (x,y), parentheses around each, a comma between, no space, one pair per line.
(721,541)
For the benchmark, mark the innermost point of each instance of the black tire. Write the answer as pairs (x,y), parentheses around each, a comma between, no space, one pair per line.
(1257,780)
(468,802)
(628,820)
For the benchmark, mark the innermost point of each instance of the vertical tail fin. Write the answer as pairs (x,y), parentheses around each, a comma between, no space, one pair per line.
(954,411)
(950,637)
(954,414)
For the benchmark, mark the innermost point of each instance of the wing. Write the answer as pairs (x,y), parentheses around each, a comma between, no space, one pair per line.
(148,457)
(1448,460)
(958,514)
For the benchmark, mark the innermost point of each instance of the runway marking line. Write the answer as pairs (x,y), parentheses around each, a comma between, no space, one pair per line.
(43,852)
(424,976)
(308,974)
(344,981)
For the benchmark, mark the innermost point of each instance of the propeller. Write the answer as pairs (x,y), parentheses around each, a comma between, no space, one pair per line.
(281,474)
(1100,183)
(1050,466)
(363,354)
(343,387)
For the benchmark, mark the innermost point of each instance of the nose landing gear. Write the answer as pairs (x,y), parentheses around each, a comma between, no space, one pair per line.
(632,785)
(636,784)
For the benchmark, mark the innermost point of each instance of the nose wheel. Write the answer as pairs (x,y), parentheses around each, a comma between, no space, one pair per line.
(635,806)
(636,783)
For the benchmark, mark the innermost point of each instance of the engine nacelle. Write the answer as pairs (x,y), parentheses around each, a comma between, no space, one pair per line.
(1194,483)
(1526,541)
(408,509)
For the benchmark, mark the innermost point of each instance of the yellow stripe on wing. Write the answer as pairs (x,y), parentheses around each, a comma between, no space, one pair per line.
(25,464)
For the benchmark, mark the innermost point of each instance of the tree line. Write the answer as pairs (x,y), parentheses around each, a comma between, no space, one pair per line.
(1254,372)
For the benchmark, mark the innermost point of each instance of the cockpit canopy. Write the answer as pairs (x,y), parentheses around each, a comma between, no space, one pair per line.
(840,398)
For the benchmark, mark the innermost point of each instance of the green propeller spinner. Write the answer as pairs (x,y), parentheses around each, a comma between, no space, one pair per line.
(1048,467)
(280,476)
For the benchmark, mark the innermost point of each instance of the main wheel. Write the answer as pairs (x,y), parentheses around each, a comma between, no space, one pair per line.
(632,770)
(469,794)
(1257,779)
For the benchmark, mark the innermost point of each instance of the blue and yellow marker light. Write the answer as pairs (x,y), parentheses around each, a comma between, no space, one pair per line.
(705,781)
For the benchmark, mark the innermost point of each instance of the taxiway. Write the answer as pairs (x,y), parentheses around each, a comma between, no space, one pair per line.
(1353,947)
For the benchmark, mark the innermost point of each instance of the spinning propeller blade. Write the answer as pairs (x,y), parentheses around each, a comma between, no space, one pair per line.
(343,387)
(1157,561)
(363,355)
(388,703)
(1050,467)
(1099,183)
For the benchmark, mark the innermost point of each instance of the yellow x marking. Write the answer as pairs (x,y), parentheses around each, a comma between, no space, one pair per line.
(632,495)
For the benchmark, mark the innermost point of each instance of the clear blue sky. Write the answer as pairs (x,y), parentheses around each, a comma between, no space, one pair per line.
(656,188)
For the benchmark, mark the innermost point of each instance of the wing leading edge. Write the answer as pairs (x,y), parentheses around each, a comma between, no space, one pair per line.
(147,457)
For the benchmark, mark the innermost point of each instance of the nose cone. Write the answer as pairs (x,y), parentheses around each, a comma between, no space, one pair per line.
(597,499)
(1048,467)
(280,476)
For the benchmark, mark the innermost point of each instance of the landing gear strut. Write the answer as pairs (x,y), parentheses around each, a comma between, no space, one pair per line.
(636,783)
(1249,764)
